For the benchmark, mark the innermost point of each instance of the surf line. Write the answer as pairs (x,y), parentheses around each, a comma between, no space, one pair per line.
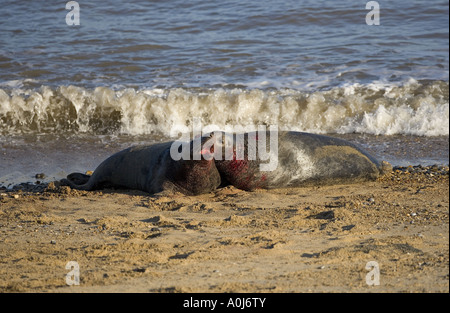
(232,140)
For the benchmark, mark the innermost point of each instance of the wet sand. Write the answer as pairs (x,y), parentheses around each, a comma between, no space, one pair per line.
(312,239)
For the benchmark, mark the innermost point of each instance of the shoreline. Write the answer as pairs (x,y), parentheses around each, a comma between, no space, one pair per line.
(38,186)
(310,239)
(57,156)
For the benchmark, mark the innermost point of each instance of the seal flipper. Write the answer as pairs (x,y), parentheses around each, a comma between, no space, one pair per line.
(79,181)
(78,178)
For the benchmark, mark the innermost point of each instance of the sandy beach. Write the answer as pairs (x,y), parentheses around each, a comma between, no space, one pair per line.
(312,239)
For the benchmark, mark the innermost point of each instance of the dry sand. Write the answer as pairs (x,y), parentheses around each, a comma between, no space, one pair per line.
(314,239)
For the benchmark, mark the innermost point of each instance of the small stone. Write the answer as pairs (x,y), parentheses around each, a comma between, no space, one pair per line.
(53,242)
(52,186)
(141,270)
(16,196)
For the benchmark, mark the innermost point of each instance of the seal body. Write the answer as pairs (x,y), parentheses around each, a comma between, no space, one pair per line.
(151,169)
(302,159)
(268,159)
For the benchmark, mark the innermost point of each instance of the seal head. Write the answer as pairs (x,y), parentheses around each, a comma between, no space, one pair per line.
(302,159)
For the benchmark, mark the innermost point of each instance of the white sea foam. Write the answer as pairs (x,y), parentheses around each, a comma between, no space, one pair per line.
(414,108)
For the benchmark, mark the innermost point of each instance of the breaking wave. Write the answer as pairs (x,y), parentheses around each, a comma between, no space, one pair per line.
(413,108)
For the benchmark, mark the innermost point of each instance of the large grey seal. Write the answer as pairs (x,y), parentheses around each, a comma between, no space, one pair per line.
(301,159)
(152,169)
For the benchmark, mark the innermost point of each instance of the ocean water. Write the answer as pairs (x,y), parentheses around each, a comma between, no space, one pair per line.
(142,71)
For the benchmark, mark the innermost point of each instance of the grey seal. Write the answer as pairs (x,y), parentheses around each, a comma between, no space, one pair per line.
(301,159)
(151,168)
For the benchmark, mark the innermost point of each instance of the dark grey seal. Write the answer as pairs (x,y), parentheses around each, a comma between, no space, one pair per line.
(152,169)
(297,159)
